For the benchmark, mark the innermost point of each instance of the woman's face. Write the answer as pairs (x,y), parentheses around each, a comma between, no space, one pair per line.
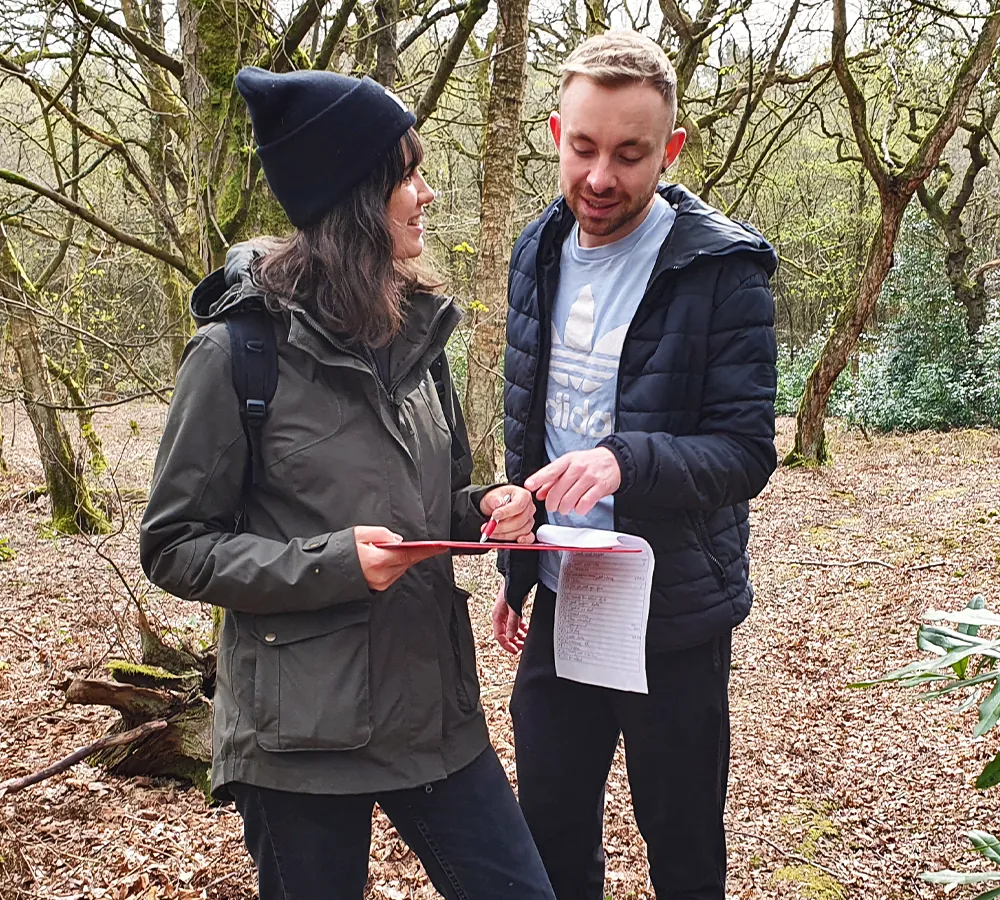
(406,215)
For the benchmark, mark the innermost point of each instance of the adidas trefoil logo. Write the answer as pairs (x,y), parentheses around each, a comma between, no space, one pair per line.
(582,366)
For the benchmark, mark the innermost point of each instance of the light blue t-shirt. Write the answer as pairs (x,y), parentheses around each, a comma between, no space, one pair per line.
(599,292)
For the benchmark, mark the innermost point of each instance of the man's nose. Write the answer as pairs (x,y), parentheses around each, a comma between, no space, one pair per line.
(601,177)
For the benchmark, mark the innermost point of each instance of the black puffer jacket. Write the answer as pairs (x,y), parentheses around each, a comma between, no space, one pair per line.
(695,414)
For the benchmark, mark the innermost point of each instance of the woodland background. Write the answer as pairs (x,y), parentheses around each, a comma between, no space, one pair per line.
(862,139)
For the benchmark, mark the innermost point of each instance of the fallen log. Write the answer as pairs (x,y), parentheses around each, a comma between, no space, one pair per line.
(171,684)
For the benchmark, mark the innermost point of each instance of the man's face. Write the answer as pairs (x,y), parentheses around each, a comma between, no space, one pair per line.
(614,143)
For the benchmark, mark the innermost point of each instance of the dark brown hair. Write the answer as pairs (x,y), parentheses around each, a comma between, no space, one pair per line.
(341,270)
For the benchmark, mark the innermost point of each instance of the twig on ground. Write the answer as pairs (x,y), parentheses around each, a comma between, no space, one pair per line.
(843,564)
(849,564)
(219,880)
(11,785)
(39,715)
(38,647)
(24,636)
(798,857)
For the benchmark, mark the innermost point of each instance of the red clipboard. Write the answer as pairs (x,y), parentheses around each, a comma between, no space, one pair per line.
(504,545)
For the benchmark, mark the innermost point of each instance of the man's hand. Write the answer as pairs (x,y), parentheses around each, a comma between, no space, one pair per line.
(576,481)
(380,565)
(515,519)
(509,629)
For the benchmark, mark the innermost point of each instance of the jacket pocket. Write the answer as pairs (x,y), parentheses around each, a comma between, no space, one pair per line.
(463,646)
(311,688)
(705,542)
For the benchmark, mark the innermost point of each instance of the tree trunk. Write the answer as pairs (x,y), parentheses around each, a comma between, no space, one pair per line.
(85,416)
(214,33)
(496,226)
(166,119)
(971,293)
(597,17)
(73,509)
(896,187)
(690,166)
(177,314)
(810,436)
(969,288)
(386,17)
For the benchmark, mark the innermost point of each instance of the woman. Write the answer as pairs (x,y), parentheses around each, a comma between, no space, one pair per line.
(346,670)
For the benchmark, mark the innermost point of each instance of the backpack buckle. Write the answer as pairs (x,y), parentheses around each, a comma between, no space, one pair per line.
(256,409)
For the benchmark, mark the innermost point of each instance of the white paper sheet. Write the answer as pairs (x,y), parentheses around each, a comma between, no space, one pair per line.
(602,609)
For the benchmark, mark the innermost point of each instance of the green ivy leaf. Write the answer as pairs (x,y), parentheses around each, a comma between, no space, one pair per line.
(990,776)
(989,712)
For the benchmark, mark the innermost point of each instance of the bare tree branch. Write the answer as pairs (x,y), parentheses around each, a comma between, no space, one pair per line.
(177,262)
(135,41)
(117,144)
(334,34)
(11,785)
(986,267)
(856,103)
(281,56)
(429,101)
(424,26)
(927,154)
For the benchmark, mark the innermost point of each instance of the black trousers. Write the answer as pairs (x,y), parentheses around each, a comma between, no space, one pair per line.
(467,831)
(676,752)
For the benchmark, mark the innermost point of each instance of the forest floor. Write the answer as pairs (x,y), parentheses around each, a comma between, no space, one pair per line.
(834,792)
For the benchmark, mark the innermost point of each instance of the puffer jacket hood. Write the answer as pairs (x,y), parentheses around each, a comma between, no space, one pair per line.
(699,231)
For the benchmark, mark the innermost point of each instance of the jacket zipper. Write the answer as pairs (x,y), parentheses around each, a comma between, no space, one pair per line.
(618,375)
(702,538)
(701,532)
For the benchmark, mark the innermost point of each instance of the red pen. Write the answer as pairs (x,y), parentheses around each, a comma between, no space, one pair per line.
(491,525)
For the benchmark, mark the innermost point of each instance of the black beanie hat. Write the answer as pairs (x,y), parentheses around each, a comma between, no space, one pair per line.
(319,134)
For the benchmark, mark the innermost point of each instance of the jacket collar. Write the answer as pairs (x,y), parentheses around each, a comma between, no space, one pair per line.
(699,230)
(429,322)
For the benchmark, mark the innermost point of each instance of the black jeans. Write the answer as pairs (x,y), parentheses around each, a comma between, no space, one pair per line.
(467,831)
(676,752)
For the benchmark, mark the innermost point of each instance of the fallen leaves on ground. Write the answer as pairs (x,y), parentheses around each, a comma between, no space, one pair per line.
(834,792)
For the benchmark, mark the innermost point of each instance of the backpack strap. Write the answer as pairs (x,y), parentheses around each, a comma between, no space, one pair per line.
(255,377)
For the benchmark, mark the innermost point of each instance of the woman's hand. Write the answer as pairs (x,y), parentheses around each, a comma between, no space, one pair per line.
(515,518)
(380,565)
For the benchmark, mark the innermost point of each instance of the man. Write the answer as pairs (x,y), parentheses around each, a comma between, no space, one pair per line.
(640,383)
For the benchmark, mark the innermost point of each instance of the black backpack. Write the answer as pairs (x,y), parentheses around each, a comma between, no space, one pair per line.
(255,377)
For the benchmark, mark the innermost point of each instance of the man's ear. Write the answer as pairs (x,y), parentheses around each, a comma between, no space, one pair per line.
(674,147)
(555,127)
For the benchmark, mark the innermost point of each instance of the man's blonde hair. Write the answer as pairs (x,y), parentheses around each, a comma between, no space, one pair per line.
(617,58)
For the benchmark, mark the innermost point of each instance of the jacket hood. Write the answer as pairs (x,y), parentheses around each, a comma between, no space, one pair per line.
(230,287)
(699,230)
(430,318)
